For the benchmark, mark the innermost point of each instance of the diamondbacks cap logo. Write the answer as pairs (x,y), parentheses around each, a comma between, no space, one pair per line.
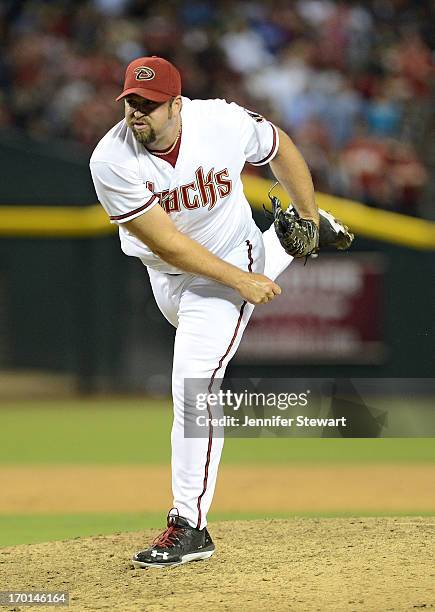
(143,73)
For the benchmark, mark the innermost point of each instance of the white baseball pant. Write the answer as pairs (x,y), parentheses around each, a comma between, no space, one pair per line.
(210,319)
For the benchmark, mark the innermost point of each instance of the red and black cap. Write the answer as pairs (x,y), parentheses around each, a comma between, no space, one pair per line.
(153,78)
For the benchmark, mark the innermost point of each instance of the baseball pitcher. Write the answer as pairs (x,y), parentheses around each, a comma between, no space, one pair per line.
(168,175)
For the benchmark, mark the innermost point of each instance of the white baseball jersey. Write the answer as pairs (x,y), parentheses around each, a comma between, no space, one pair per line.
(203,193)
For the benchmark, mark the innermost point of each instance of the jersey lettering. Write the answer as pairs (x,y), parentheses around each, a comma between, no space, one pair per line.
(185,196)
(224,183)
(163,197)
(255,116)
(172,202)
(207,187)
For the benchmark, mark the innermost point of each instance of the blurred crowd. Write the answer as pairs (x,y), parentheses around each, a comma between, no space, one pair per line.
(351,82)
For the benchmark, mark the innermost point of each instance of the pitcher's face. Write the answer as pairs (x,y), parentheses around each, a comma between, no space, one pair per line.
(150,120)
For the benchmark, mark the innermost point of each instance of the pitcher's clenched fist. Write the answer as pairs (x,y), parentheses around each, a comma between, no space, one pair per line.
(257,288)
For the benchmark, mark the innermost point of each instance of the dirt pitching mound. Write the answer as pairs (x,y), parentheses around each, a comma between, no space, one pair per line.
(373,564)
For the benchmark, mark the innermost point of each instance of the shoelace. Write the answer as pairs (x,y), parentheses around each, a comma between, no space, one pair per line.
(168,538)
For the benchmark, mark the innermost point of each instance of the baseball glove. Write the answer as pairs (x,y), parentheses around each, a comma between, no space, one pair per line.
(332,232)
(298,237)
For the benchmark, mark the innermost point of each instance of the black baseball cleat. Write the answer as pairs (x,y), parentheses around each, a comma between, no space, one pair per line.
(332,232)
(178,544)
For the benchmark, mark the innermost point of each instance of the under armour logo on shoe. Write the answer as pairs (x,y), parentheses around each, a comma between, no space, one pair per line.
(155,553)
